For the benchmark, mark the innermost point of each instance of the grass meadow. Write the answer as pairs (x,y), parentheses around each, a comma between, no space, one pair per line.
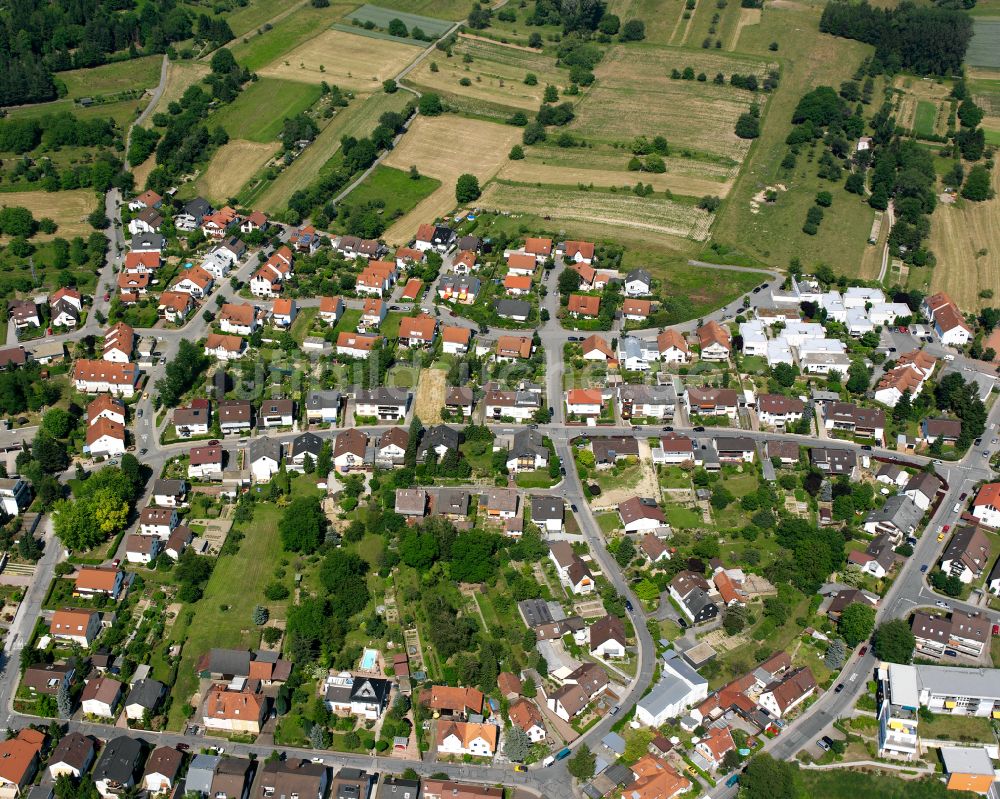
(257,114)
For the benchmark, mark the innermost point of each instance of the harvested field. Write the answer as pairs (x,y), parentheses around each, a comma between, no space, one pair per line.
(646,486)
(660,16)
(611,159)
(985,86)
(141,172)
(958,236)
(231,166)
(351,62)
(444,148)
(527,172)
(258,51)
(68,208)
(431,390)
(381,17)
(619,210)
(358,119)
(635,95)
(496,73)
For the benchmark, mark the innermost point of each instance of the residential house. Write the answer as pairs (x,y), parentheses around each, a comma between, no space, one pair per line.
(174,306)
(417,331)
(654,778)
(292,777)
(690,591)
(986,505)
(179,540)
(638,283)
(674,449)
(459,400)
(268,281)
(195,281)
(516,310)
(349,448)
(119,341)
(366,697)
(158,521)
(72,756)
(455,340)
(162,769)
(653,549)
(794,687)
(12,357)
(276,413)
(636,310)
(513,348)
(778,410)
(19,760)
(65,308)
(567,701)
(540,249)
(148,220)
(500,503)
(608,450)
(323,407)
(715,341)
(352,783)
(132,287)
(835,461)
(922,488)
(234,711)
(142,548)
(216,225)
(673,347)
(947,319)
(240,319)
(97,377)
(548,513)
(584,305)
(465,262)
(863,422)
(518,405)
(434,237)
(409,256)
(584,402)
(205,463)
(47,678)
(192,420)
(445,789)
(372,314)
(391,448)
(527,452)
(411,502)
(455,702)
(170,493)
(225,348)
(147,242)
(735,449)
(898,518)
(595,348)
(77,625)
(283,312)
(231,779)
(263,458)
(381,403)
(330,309)
(967,554)
(577,252)
(376,279)
(787,452)
(148,199)
(142,262)
(641,515)
(679,688)
(517,285)
(607,637)
(93,581)
(467,738)
(201,774)
(965,632)
(526,715)
(572,569)
(436,441)
(117,766)
(356,345)
(715,745)
(104,438)
(948,430)
(462,289)
(145,697)
(711,401)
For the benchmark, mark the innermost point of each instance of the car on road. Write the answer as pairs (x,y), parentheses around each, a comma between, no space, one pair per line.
(682,622)
(942,604)
(903,330)
(986,453)
(941,536)
(699,429)
(113,462)
(573,506)
(106,296)
(668,429)
(318,760)
(863,651)
(182,747)
(615,709)
(951,653)
(839,688)
(995,441)
(822,744)
(924,567)
(957,508)
(977,443)
(996,629)
(520,767)
(756,290)
(143,451)
(139,413)
(964,495)
(867,448)
(562,470)
(733,780)
(628,605)
(946,528)
(949,357)
(146,395)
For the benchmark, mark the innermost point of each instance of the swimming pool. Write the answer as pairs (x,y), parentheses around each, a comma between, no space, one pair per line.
(368,659)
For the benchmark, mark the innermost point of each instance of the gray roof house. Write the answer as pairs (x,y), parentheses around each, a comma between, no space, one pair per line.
(394,787)
(323,406)
(411,501)
(898,517)
(201,773)
(117,766)
(263,448)
(452,502)
(305,444)
(518,310)
(145,695)
(438,439)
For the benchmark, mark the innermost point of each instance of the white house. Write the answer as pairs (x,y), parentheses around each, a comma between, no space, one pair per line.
(986,505)
(467,738)
(195,281)
(641,515)
(638,283)
(584,401)
(680,687)
(264,457)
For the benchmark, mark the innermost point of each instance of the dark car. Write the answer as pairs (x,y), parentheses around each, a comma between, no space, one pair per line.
(143,451)
(699,429)
(839,688)
(668,429)
(923,569)
(682,622)
(562,470)
(628,605)
(183,747)
(573,506)
(867,448)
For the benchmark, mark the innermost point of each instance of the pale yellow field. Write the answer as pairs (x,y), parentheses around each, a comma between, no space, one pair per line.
(957,237)
(602,210)
(141,172)
(231,166)
(68,208)
(359,63)
(431,391)
(180,75)
(444,148)
(528,172)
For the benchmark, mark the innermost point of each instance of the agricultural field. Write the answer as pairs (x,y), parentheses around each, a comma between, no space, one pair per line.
(985,86)
(984,50)
(246,117)
(122,111)
(258,51)
(661,16)
(231,166)
(635,95)
(123,76)
(606,211)
(357,119)
(180,75)
(398,192)
(496,73)
(965,237)
(381,17)
(344,59)
(255,14)
(922,105)
(69,209)
(444,148)
(772,233)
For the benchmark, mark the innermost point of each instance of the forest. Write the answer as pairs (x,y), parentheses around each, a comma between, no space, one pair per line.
(39,38)
(921,39)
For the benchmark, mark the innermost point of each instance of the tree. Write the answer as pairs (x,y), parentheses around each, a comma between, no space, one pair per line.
(64,704)
(516,743)
(324,461)
(767,778)
(856,623)
(785,374)
(260,615)
(582,764)
(430,105)
(734,620)
(634,31)
(836,654)
(516,153)
(569,281)
(748,126)
(302,525)
(977,185)
(625,551)
(181,373)
(389,86)
(467,188)
(894,641)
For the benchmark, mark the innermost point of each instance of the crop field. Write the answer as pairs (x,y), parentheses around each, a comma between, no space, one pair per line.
(395,188)
(445,9)
(256,13)
(231,166)
(966,240)
(984,49)
(258,51)
(357,119)
(138,73)
(656,215)
(351,62)
(260,110)
(635,95)
(748,18)
(496,73)
(772,234)
(68,208)
(444,148)
(924,118)
(122,112)
(383,16)
(431,391)
(532,171)
(703,27)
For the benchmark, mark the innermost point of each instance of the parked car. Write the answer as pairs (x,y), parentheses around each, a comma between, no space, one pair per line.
(839,688)
(943,605)
(951,653)
(822,744)
(863,651)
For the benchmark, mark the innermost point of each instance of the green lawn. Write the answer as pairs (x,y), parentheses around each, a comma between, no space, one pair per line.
(394,189)
(536,479)
(237,582)
(845,783)
(402,375)
(923,121)
(137,73)
(674,477)
(303,322)
(259,111)
(683,518)
(608,521)
(958,728)
(286,35)
(616,477)
(349,320)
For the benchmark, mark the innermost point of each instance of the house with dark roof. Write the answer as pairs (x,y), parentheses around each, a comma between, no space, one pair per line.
(438,440)
(835,461)
(967,554)
(898,518)
(608,450)
(691,592)
(72,756)
(607,637)
(118,766)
